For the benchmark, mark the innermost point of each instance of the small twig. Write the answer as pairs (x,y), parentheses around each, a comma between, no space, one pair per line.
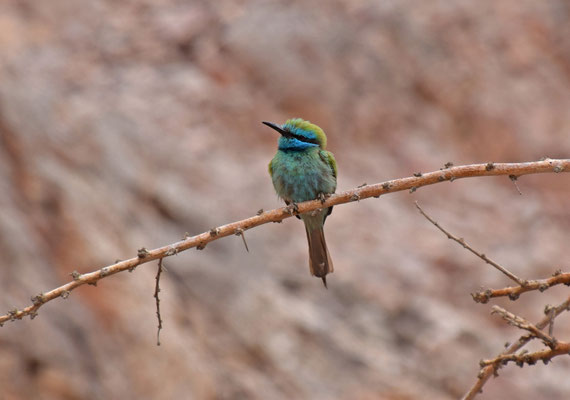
(156,291)
(513,292)
(492,368)
(549,310)
(522,323)
(513,179)
(240,232)
(463,243)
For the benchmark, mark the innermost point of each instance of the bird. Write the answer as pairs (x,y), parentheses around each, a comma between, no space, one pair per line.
(304,170)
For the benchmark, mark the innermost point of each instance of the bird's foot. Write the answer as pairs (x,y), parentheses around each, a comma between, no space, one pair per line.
(323,197)
(292,208)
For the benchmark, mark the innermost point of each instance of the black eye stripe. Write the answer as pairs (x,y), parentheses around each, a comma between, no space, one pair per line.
(299,137)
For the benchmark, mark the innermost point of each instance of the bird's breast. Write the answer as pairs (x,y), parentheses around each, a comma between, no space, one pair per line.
(301,176)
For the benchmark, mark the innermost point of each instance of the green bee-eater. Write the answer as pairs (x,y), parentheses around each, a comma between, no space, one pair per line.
(303,170)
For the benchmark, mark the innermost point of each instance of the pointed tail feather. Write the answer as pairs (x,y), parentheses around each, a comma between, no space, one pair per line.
(320,262)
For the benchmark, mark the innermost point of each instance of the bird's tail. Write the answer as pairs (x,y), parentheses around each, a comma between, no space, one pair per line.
(320,261)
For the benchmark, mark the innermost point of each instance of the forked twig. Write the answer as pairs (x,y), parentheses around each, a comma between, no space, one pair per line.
(523,324)
(490,367)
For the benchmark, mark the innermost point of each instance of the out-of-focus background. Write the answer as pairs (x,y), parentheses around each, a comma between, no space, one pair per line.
(125,124)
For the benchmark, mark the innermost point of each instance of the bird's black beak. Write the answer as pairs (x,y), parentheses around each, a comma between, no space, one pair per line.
(275,126)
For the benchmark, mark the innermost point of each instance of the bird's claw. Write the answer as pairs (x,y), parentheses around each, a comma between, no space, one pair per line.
(292,208)
(323,197)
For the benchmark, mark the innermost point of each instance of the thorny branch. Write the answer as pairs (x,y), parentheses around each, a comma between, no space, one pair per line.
(544,355)
(447,173)
(513,292)
(555,347)
(491,367)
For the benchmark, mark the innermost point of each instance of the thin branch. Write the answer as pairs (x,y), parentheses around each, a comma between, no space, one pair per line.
(463,243)
(523,324)
(549,310)
(513,292)
(157,298)
(544,355)
(279,214)
(492,368)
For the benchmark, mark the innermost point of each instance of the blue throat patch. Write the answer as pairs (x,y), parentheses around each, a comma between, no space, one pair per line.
(293,144)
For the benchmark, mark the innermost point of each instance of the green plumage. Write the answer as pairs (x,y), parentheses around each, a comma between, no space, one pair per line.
(304,170)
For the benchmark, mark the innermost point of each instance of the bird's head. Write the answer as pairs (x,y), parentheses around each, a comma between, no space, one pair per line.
(298,134)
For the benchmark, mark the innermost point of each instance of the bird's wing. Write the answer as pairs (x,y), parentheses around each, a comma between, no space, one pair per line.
(328,158)
(270,168)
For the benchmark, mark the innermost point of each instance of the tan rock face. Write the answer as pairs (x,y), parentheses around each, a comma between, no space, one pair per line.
(126,124)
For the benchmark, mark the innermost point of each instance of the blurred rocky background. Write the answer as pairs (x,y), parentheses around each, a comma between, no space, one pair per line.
(125,124)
